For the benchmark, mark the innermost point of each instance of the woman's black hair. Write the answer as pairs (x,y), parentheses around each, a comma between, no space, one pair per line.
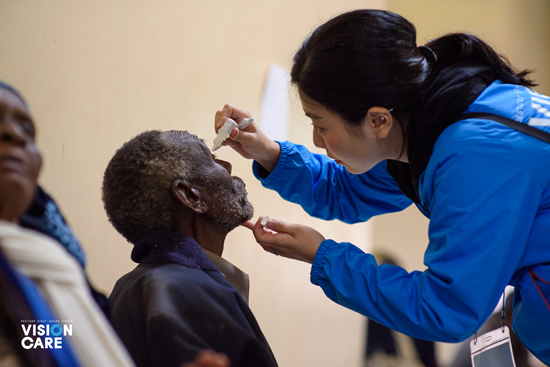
(367,58)
(460,46)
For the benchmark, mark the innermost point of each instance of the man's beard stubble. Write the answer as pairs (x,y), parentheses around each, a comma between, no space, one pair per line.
(230,206)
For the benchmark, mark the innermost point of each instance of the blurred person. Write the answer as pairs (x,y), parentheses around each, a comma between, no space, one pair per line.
(450,126)
(388,348)
(41,284)
(175,202)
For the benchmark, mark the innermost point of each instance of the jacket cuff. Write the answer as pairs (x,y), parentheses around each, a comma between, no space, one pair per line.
(266,177)
(318,260)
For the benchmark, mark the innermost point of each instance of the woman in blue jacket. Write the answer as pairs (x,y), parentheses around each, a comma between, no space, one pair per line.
(428,125)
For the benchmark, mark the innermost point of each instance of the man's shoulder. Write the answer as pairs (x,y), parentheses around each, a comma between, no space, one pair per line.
(151,281)
(156,277)
(156,288)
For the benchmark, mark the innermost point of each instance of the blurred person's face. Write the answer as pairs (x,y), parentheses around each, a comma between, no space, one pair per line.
(228,205)
(20,160)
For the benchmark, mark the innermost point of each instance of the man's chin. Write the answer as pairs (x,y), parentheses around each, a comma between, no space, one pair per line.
(247,209)
(227,226)
(246,216)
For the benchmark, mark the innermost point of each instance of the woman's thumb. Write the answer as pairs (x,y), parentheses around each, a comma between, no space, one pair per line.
(234,134)
(277,226)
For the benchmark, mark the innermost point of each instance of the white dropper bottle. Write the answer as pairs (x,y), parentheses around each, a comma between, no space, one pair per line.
(223,133)
(227,128)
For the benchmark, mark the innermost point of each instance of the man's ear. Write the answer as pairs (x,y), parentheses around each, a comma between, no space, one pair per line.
(380,120)
(189,195)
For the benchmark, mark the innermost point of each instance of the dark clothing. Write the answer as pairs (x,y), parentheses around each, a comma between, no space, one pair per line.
(176,303)
(45,217)
(21,302)
(381,338)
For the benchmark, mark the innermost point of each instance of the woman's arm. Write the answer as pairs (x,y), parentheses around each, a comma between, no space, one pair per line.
(483,202)
(323,188)
(326,190)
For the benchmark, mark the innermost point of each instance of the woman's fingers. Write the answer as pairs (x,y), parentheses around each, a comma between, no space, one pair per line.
(290,240)
(229,110)
(294,241)
(248,224)
(248,142)
(271,250)
(280,226)
(234,134)
(251,143)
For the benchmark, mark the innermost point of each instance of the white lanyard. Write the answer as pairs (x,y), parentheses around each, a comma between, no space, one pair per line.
(493,349)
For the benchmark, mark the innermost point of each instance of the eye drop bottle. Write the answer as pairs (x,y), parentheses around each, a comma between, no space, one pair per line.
(224,133)
(227,128)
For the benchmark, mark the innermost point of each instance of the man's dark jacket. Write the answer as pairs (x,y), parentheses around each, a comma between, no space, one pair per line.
(176,303)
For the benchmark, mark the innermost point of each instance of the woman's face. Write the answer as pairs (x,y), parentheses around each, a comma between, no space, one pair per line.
(20,160)
(358,150)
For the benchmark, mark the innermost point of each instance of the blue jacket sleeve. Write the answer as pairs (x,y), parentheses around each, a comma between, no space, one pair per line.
(326,190)
(483,199)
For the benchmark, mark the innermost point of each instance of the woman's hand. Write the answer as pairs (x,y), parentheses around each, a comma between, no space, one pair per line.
(294,241)
(251,143)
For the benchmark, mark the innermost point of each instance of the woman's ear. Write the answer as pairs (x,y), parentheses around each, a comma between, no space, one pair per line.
(380,120)
(189,195)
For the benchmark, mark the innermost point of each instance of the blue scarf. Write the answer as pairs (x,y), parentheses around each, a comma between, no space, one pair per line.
(44,216)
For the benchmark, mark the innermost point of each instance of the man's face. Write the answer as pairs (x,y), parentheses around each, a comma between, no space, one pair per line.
(227,201)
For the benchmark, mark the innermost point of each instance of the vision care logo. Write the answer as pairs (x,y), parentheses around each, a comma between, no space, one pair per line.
(45,334)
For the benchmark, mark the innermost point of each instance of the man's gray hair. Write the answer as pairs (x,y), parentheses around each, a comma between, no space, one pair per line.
(136,185)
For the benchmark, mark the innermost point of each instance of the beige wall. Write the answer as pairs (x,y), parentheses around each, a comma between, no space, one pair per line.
(96,73)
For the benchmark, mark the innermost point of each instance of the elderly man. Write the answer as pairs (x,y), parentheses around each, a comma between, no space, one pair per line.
(168,195)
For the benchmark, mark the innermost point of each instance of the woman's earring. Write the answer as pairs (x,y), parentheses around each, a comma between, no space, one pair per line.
(382,118)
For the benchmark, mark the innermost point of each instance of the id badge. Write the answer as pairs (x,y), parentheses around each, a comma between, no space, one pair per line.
(493,349)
